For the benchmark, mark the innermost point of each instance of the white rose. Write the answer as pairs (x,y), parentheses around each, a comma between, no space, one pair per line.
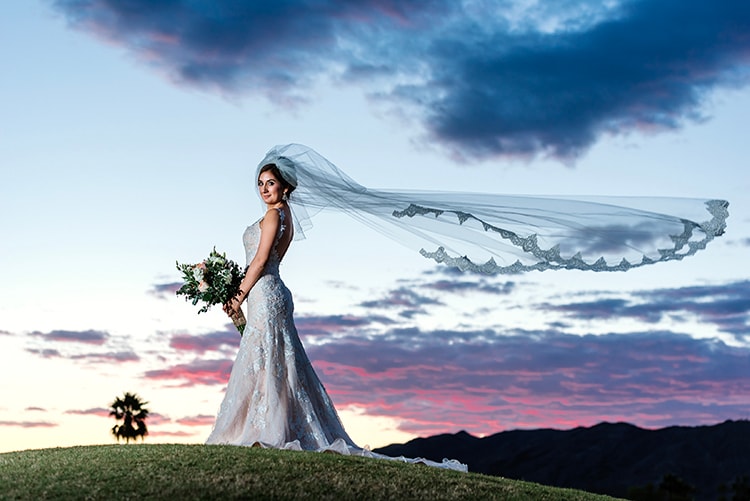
(198,274)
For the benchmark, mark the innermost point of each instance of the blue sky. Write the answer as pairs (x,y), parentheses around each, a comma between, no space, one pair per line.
(128,138)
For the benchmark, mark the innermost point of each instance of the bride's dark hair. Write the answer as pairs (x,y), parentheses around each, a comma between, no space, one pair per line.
(274,169)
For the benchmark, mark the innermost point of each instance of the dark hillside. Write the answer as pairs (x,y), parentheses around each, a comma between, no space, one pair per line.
(608,458)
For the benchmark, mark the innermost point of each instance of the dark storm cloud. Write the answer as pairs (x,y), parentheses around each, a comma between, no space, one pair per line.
(648,67)
(726,306)
(481,82)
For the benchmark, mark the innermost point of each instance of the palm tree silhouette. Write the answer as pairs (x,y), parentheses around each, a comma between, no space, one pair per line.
(130,410)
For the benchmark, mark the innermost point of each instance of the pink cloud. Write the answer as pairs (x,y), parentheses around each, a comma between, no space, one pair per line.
(199,420)
(167,433)
(203,372)
(536,380)
(154,418)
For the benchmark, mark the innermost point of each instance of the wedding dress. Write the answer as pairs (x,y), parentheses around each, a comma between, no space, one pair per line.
(274,398)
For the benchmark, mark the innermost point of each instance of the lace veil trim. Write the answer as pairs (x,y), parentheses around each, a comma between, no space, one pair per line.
(503,234)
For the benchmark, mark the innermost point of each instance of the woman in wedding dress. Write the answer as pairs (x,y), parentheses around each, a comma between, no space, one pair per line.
(275,399)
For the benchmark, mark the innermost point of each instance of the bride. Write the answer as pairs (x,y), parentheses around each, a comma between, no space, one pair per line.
(275,399)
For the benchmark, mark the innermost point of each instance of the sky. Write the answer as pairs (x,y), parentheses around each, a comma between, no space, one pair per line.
(130,132)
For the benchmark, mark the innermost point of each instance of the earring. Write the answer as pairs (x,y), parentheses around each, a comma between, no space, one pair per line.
(285,197)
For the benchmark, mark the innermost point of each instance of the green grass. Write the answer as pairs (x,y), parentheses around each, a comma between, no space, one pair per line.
(225,472)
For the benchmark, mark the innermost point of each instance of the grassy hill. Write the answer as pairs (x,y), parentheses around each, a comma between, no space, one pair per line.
(171,471)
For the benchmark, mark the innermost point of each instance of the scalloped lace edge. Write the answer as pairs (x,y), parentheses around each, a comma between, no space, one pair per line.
(550,259)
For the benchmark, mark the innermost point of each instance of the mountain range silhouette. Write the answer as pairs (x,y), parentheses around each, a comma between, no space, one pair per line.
(608,458)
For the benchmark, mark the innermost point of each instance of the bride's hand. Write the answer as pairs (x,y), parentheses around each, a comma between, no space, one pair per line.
(232,306)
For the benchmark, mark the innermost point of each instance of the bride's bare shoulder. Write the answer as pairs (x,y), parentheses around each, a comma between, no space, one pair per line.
(272,216)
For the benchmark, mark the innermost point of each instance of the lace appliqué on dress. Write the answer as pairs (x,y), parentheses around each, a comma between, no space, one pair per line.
(274,398)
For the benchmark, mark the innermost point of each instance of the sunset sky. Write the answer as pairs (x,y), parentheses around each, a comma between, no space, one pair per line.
(129,136)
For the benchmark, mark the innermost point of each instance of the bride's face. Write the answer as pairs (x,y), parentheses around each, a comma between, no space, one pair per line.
(270,188)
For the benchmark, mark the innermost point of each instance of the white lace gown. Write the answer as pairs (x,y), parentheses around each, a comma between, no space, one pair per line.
(274,398)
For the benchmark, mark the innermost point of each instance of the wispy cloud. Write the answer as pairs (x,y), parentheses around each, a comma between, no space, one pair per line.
(113,356)
(29,424)
(156,418)
(726,306)
(469,286)
(199,420)
(201,343)
(325,325)
(104,357)
(75,345)
(165,290)
(197,372)
(405,299)
(94,411)
(88,336)
(484,381)
(170,433)
(508,77)
(45,353)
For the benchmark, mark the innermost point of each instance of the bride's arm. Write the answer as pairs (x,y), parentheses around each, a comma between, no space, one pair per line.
(268,229)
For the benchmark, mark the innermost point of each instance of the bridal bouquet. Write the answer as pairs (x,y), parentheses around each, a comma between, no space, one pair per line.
(215,280)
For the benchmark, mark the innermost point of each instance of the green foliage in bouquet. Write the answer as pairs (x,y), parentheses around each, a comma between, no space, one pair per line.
(214,281)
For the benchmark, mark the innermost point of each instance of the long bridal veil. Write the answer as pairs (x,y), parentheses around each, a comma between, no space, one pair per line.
(494,233)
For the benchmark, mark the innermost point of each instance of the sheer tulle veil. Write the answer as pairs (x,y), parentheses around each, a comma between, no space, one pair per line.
(496,234)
